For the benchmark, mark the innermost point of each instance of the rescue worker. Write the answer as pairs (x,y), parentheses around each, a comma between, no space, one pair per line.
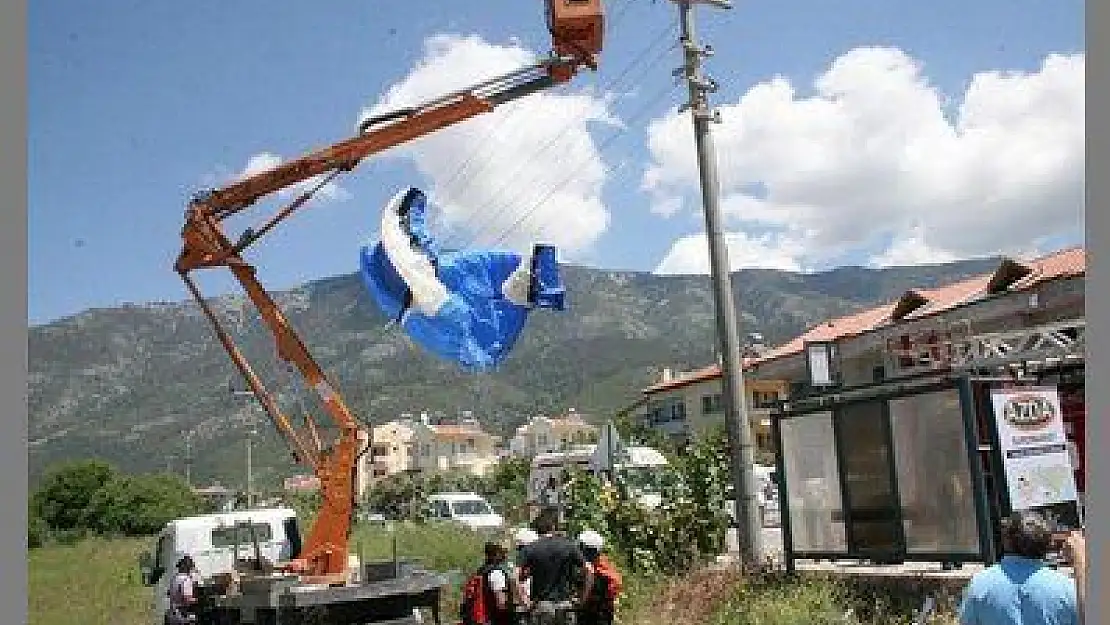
(554,564)
(600,607)
(182,594)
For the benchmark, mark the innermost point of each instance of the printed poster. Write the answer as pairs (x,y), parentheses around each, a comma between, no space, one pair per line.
(1036,455)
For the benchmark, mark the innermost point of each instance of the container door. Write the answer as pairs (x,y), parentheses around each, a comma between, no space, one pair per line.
(872,509)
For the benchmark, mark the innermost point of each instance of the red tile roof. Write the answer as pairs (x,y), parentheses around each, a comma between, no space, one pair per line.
(458,431)
(1065,263)
(685,379)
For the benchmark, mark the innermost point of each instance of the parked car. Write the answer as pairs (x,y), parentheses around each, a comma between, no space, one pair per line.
(469,509)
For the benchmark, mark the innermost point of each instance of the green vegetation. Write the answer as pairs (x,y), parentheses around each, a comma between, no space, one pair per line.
(722,596)
(90,497)
(403,496)
(94,581)
(666,553)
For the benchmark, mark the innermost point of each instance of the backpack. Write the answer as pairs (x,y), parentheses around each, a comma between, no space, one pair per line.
(608,581)
(474,608)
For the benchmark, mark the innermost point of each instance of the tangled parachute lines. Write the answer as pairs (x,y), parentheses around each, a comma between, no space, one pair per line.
(468,306)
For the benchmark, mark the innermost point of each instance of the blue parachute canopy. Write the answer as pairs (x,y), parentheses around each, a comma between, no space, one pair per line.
(469,307)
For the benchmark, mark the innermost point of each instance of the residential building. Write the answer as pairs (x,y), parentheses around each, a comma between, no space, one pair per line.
(217,496)
(543,434)
(453,447)
(302,484)
(685,405)
(915,333)
(927,327)
(392,452)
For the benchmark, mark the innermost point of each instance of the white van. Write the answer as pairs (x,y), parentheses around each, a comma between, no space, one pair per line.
(470,509)
(213,540)
(547,468)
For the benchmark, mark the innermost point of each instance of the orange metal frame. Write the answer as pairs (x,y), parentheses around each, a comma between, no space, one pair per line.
(576,30)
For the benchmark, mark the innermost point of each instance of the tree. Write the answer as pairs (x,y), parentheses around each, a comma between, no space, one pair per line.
(137,505)
(507,486)
(62,499)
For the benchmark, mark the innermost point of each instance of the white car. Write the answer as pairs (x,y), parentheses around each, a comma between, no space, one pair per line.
(469,509)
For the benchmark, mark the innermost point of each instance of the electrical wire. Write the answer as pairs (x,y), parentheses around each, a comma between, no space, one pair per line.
(511,181)
(496,202)
(601,148)
(488,141)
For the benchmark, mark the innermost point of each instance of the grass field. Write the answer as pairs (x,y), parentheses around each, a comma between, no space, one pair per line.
(96,581)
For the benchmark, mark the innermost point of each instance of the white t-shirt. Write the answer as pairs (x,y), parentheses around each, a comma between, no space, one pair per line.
(182,586)
(497,580)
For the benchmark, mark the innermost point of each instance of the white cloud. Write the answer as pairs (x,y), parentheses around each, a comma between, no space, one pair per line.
(537,149)
(876,158)
(911,249)
(263,161)
(690,254)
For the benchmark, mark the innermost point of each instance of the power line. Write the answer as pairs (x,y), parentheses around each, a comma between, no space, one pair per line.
(511,179)
(500,207)
(601,148)
(488,142)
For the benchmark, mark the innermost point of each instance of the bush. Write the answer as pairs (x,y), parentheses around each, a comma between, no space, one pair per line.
(38,532)
(91,497)
(137,505)
(403,496)
(685,529)
(63,497)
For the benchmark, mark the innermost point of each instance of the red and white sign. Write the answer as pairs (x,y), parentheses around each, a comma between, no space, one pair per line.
(1036,457)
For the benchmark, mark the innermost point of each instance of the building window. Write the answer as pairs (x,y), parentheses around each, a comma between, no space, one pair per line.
(764,399)
(712,404)
(425,450)
(678,411)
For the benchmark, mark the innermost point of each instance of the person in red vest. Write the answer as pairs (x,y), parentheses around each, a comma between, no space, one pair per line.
(600,607)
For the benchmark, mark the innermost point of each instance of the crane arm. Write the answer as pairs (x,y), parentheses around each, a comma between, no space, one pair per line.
(575,27)
(387,131)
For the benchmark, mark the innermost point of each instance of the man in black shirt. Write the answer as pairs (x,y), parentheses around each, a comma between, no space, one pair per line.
(554,564)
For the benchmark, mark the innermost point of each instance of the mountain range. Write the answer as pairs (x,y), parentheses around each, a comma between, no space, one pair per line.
(148,387)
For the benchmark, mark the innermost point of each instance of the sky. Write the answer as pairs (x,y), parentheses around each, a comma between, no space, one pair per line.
(861,132)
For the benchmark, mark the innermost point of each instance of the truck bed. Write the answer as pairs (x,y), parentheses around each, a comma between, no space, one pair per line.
(281,602)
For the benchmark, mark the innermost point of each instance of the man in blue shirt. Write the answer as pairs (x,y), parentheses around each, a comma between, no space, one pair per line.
(1021,589)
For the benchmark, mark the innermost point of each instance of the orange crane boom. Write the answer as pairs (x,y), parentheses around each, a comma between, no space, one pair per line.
(576,28)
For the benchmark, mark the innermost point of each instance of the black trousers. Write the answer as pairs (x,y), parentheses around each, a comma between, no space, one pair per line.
(595,617)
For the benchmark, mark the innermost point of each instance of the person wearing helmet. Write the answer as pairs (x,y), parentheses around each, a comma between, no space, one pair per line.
(600,606)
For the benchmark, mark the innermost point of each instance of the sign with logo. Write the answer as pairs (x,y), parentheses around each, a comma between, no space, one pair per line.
(1035,450)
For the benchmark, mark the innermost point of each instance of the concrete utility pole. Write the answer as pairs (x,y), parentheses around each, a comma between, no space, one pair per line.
(251,432)
(728,327)
(189,458)
(250,468)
